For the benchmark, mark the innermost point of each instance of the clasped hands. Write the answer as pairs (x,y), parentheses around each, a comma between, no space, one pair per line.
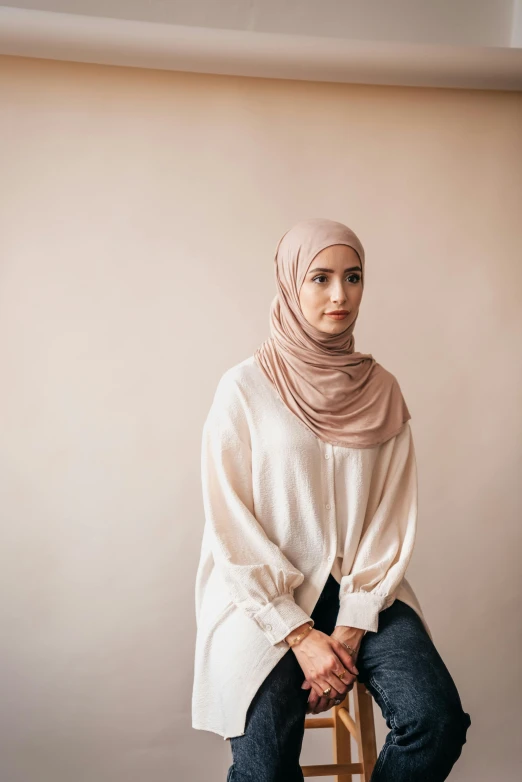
(321,657)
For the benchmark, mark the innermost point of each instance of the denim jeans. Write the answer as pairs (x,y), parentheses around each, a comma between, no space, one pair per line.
(406,676)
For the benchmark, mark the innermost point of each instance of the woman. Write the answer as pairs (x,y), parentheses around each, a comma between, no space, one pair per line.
(310,498)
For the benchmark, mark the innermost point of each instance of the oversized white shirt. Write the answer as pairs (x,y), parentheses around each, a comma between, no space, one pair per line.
(283,509)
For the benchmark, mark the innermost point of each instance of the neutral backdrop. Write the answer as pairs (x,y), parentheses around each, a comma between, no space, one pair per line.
(138,219)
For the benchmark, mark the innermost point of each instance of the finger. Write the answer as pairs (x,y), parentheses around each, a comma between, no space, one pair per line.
(343,682)
(317,689)
(334,684)
(312,700)
(324,684)
(316,707)
(345,657)
(338,684)
(335,692)
(319,686)
(321,706)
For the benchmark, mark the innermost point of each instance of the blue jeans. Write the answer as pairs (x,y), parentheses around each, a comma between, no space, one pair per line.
(406,676)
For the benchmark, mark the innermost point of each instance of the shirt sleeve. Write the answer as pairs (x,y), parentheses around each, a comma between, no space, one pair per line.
(260,578)
(388,536)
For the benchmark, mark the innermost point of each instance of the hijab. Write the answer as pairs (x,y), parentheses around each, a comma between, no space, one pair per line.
(344,397)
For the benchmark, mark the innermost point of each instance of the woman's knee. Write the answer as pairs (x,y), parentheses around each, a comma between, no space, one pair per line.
(445,724)
(454,724)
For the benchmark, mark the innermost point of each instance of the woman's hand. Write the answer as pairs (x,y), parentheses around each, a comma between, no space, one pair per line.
(321,657)
(352,636)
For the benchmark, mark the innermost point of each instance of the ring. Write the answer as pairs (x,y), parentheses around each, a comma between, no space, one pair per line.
(337,701)
(340,675)
(327,691)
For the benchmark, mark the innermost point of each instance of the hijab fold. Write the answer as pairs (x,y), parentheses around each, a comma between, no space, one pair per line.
(344,397)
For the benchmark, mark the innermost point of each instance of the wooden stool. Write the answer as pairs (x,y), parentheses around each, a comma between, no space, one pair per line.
(362,728)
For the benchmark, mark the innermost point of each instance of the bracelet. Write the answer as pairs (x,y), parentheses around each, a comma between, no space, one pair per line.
(294,641)
(351,651)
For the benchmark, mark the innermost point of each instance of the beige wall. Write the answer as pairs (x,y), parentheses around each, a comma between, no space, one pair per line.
(139,214)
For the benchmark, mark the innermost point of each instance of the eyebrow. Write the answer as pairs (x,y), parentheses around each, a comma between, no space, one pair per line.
(351,269)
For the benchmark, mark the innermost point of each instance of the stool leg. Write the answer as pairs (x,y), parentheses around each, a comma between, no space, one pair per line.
(342,746)
(363,702)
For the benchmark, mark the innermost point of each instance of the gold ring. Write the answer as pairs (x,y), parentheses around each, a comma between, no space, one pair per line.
(327,691)
(340,675)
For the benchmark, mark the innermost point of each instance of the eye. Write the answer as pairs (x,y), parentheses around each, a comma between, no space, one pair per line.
(352,275)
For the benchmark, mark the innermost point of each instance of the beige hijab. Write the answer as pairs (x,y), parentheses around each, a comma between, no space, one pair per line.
(345,398)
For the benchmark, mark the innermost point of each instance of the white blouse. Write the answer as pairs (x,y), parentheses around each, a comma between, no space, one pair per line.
(282,510)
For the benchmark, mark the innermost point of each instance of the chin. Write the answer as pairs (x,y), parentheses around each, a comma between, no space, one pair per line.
(331,329)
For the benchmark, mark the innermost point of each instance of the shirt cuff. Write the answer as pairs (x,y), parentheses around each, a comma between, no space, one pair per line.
(361,610)
(278,618)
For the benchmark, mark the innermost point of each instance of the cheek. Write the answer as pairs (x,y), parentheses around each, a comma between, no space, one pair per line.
(309,296)
(309,305)
(357,295)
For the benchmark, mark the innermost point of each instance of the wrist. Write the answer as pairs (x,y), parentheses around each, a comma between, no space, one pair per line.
(303,630)
(350,635)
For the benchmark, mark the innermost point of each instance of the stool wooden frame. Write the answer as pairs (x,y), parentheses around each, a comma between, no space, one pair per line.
(362,728)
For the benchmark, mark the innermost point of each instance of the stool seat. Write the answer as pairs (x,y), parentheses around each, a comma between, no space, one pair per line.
(361,726)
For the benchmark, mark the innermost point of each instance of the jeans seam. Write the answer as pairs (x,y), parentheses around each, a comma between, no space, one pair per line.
(387,744)
(382,757)
(387,702)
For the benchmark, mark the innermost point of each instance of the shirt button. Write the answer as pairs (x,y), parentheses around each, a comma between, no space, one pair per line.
(327,456)
(268,627)
(328,506)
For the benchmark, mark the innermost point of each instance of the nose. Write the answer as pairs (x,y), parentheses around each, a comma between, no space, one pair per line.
(338,295)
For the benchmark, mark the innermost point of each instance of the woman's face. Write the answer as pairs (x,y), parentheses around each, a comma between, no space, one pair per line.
(332,282)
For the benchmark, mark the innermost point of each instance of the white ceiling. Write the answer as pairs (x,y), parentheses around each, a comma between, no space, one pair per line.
(451,43)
